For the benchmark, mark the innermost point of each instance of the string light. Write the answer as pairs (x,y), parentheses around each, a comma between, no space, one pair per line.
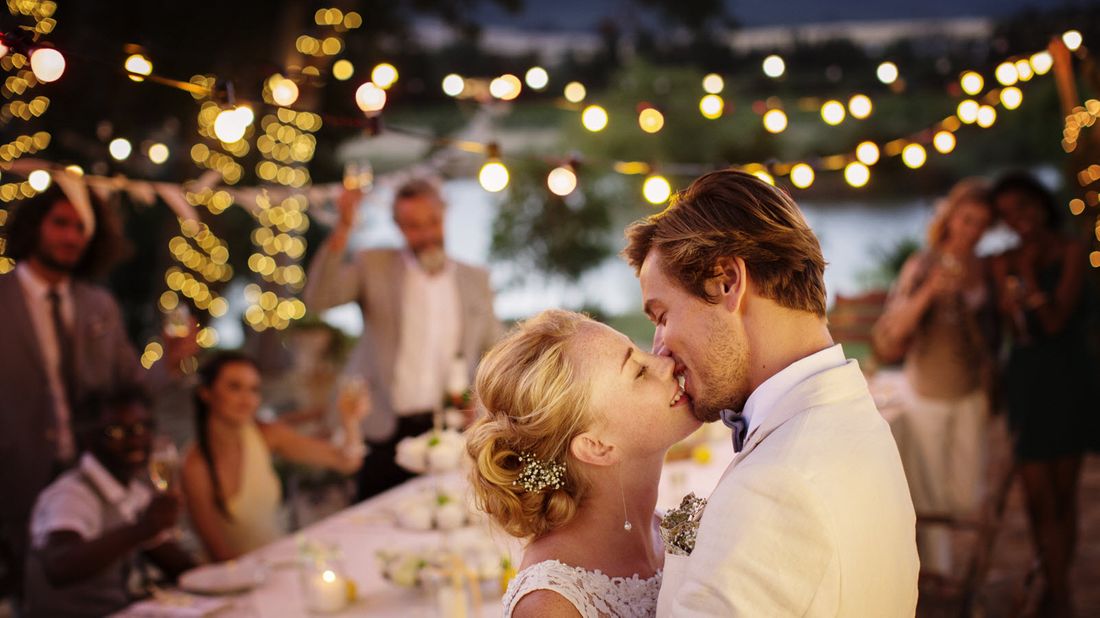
(1024,70)
(384,75)
(594,118)
(493,176)
(914,156)
(856,174)
(39,180)
(887,73)
(711,106)
(453,85)
(343,69)
(1072,39)
(120,148)
(651,120)
(860,106)
(986,116)
(802,175)
(967,111)
(230,125)
(138,66)
(971,82)
(774,66)
(562,180)
(656,189)
(47,64)
(506,87)
(1006,74)
(537,78)
(943,141)
(575,92)
(370,98)
(1042,62)
(832,112)
(1011,97)
(867,153)
(775,121)
(158,153)
(713,83)
(284,92)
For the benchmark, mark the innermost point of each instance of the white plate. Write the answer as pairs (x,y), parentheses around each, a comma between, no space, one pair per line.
(223,578)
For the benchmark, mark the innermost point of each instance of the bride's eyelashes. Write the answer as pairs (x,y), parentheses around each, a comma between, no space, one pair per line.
(641,372)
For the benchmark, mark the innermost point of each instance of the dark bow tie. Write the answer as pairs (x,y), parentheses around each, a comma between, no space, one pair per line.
(739,426)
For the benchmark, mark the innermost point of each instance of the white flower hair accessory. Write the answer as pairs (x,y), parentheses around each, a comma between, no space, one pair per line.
(536,475)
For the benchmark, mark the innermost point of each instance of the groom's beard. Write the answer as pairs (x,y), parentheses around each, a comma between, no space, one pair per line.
(722,380)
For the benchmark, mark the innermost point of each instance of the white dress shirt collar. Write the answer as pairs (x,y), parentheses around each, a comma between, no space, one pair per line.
(763,399)
(36,285)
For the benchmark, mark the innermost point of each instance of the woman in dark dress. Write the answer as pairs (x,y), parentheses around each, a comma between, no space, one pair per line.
(1049,371)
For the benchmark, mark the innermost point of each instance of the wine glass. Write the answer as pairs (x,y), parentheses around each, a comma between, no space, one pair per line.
(164,462)
(353,399)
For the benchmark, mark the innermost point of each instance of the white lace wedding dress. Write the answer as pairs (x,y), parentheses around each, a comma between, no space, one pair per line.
(594,594)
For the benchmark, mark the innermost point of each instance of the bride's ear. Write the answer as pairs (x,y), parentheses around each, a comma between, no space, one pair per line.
(591,450)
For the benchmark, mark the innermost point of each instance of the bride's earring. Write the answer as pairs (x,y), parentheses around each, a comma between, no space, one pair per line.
(626,519)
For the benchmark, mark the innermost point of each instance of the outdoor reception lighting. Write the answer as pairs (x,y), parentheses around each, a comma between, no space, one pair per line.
(120,149)
(986,116)
(230,124)
(713,83)
(506,87)
(343,69)
(594,118)
(711,106)
(370,98)
(453,85)
(867,153)
(139,67)
(47,64)
(802,175)
(1072,39)
(832,112)
(774,66)
(775,121)
(1006,74)
(656,189)
(75,169)
(914,156)
(39,180)
(967,111)
(860,106)
(1042,62)
(575,92)
(1011,97)
(887,73)
(562,180)
(856,174)
(283,91)
(158,153)
(537,78)
(943,142)
(971,82)
(384,75)
(1023,67)
(651,120)
(493,176)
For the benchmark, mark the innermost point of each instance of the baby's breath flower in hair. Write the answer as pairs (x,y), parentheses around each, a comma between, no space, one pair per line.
(536,475)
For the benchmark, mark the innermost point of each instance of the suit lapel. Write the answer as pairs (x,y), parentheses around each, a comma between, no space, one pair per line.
(16,312)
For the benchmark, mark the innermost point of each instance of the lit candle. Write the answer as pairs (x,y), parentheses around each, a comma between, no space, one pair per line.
(326,592)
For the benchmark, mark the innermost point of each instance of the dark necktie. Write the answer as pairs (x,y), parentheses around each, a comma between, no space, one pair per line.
(738,425)
(64,349)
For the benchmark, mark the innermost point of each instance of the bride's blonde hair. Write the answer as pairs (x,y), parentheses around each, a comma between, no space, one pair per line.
(530,401)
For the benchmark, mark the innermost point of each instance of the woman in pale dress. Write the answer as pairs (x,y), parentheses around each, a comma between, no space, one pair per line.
(940,319)
(231,490)
(574,424)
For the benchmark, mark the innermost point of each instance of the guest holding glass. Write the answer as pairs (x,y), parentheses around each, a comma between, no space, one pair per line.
(1050,373)
(232,492)
(940,320)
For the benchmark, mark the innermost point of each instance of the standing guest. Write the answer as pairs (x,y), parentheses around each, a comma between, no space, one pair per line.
(91,524)
(423,313)
(941,319)
(63,338)
(1049,377)
(232,493)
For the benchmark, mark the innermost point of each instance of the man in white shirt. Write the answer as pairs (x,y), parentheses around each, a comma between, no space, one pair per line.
(90,524)
(813,516)
(427,320)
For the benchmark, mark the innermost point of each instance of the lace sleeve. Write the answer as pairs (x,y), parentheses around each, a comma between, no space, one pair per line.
(592,593)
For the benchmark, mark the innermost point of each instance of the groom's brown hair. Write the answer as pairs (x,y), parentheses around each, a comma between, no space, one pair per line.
(732,213)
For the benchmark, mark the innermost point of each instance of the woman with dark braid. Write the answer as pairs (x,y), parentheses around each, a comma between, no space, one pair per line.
(232,493)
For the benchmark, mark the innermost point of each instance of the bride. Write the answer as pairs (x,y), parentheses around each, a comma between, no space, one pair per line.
(573,428)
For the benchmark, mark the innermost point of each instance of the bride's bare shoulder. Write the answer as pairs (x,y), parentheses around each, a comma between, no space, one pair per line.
(544,603)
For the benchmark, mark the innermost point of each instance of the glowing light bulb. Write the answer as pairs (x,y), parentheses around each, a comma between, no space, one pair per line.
(867,153)
(158,153)
(775,121)
(971,82)
(651,120)
(1023,68)
(1011,97)
(860,106)
(139,66)
(493,176)
(230,125)
(986,116)
(47,64)
(283,91)
(453,85)
(967,111)
(887,73)
(384,75)
(370,98)
(575,92)
(802,175)
(711,106)
(1042,62)
(506,87)
(713,83)
(120,149)
(774,66)
(594,118)
(856,174)
(1072,39)
(1006,74)
(343,69)
(832,112)
(913,156)
(656,189)
(537,78)
(943,141)
(39,180)
(561,181)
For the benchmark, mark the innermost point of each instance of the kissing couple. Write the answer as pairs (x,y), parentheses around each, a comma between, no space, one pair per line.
(813,515)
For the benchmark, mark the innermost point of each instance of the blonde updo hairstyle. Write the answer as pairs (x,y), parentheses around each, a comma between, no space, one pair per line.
(966,191)
(530,400)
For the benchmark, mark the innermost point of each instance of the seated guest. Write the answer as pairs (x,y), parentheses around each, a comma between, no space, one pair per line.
(941,320)
(231,490)
(90,525)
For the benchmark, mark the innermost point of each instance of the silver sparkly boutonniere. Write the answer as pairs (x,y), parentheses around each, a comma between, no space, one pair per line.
(680,525)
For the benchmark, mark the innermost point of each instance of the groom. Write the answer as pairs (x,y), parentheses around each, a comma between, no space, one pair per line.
(813,515)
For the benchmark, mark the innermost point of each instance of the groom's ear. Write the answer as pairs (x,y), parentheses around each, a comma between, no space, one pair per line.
(731,278)
(591,450)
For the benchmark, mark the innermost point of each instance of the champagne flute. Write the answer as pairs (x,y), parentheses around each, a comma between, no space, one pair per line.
(353,400)
(163,463)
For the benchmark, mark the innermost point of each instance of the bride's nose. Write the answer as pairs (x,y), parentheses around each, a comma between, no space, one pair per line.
(667,366)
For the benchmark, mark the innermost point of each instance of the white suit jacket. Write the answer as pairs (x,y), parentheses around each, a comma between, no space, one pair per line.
(812,518)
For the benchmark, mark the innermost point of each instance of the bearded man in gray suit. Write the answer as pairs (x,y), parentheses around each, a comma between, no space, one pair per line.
(425,315)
